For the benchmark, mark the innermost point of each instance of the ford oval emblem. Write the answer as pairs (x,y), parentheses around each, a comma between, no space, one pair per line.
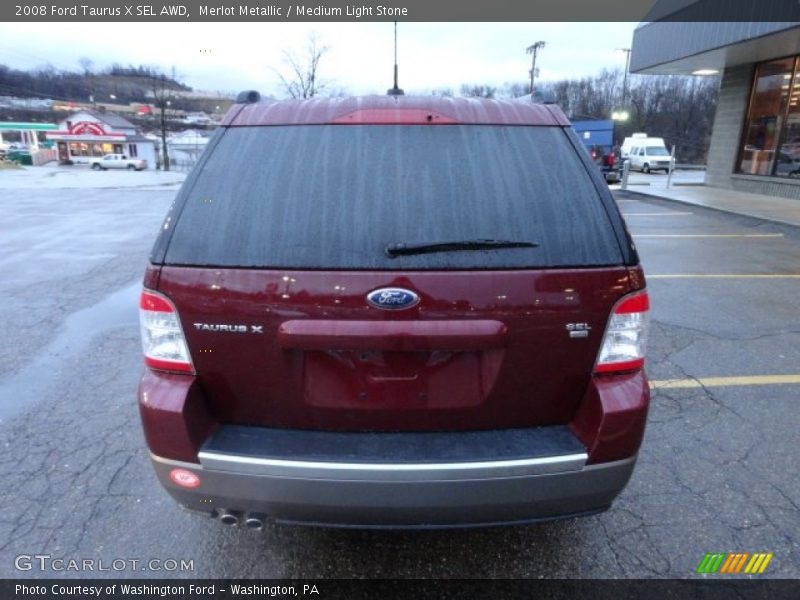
(392,298)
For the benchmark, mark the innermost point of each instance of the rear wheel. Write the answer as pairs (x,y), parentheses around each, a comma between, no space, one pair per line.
(96,167)
(131,168)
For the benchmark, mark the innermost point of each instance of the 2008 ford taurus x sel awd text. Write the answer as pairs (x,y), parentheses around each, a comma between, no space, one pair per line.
(394,312)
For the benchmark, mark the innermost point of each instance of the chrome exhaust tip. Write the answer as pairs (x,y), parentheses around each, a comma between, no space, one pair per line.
(255,521)
(228,517)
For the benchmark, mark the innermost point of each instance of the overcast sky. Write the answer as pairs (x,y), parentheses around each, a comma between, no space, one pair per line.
(239,56)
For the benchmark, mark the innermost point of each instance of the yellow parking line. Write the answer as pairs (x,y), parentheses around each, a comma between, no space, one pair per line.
(708,235)
(657,214)
(725,276)
(670,384)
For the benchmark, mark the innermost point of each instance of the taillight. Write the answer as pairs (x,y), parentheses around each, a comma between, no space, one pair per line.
(610,160)
(624,342)
(163,341)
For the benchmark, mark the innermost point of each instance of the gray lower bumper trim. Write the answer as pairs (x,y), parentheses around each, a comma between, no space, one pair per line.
(418,502)
(352,471)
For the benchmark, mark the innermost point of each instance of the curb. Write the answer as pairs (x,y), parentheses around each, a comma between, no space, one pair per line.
(727,211)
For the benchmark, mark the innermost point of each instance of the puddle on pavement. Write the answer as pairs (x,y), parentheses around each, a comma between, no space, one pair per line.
(30,384)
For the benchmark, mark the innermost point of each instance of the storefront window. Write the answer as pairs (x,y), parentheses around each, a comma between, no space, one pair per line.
(771,141)
(788,163)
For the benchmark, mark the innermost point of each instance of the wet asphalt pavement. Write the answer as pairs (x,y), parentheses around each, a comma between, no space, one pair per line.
(717,471)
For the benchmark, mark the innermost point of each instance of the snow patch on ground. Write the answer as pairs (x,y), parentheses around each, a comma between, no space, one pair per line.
(54,176)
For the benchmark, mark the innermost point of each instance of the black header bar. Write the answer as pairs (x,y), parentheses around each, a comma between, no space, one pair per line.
(399,10)
(417,589)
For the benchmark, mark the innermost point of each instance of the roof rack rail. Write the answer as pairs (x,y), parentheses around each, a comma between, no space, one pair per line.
(248,97)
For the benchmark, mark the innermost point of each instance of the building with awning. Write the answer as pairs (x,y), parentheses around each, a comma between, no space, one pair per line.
(28,133)
(87,134)
(755,139)
(29,136)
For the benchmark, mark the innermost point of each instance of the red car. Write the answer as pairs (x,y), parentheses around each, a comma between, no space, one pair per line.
(394,312)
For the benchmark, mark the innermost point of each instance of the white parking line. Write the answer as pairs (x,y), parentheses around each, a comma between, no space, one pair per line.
(725,276)
(657,214)
(707,235)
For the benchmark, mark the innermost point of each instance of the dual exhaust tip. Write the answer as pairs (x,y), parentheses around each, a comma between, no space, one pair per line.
(233,518)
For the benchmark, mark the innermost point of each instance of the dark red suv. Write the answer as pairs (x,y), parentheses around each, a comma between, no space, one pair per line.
(394,312)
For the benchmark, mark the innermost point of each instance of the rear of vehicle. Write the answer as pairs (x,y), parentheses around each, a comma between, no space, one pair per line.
(394,312)
(597,135)
(607,162)
(650,155)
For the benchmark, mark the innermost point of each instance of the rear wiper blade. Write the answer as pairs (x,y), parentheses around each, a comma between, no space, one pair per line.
(406,249)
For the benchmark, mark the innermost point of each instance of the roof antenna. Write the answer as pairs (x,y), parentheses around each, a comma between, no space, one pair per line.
(395,91)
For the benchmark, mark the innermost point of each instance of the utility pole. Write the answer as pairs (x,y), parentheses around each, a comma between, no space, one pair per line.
(532,50)
(627,52)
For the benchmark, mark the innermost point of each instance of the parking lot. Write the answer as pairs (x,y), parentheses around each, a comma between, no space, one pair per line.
(717,471)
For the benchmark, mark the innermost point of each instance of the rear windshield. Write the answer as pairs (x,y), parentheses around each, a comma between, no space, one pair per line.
(335,196)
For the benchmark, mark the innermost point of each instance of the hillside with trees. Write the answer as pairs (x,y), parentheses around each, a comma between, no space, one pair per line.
(125,84)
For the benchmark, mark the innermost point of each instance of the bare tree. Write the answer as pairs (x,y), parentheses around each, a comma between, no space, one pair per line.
(478,91)
(443,92)
(86,64)
(301,79)
(514,90)
(161,89)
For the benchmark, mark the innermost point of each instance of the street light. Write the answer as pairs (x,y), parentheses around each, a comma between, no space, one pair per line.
(532,50)
(627,52)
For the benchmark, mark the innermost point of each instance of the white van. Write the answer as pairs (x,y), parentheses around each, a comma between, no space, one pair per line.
(646,154)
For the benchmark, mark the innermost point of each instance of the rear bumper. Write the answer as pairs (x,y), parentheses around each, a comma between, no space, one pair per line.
(397,480)
(460,495)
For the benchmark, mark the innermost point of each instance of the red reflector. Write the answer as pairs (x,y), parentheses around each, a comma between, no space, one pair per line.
(184,478)
(149,301)
(167,365)
(634,304)
(629,365)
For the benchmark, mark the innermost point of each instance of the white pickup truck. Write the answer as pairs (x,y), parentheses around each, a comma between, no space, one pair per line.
(118,161)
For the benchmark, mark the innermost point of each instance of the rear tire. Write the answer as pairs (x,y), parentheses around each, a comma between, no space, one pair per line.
(131,168)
